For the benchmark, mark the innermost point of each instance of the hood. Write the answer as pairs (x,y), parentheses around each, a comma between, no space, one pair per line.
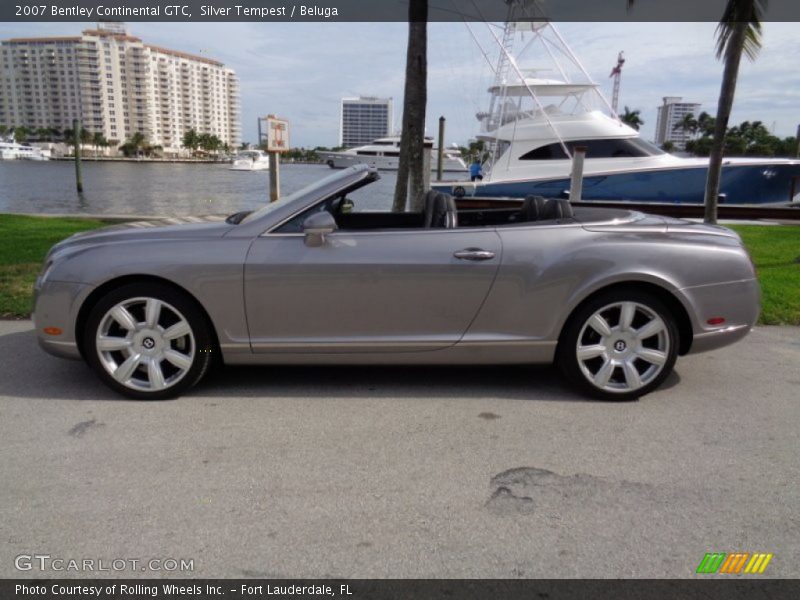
(141,230)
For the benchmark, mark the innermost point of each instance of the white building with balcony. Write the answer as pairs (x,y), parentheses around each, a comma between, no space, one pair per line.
(670,114)
(117,85)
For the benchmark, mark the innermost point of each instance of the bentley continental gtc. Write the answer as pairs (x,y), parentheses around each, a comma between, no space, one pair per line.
(611,296)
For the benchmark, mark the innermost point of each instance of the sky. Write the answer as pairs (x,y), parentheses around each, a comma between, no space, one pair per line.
(300,71)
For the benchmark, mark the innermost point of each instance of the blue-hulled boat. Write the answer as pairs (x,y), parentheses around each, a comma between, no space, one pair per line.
(534,124)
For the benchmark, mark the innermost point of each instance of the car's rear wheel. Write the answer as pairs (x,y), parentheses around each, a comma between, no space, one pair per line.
(619,346)
(148,341)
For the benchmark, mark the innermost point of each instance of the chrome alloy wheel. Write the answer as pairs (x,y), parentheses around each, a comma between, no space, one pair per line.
(622,347)
(145,344)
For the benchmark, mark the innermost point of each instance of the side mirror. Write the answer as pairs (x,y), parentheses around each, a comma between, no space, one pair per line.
(317,226)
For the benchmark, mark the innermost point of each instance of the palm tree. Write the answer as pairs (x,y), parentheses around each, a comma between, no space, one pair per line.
(98,140)
(632,118)
(706,124)
(3,131)
(688,124)
(415,98)
(191,140)
(21,133)
(135,144)
(738,32)
(86,137)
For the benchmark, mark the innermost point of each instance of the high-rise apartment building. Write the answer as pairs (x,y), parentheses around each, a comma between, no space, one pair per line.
(363,120)
(670,114)
(117,85)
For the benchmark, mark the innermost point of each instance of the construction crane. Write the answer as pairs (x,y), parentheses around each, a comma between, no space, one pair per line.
(616,73)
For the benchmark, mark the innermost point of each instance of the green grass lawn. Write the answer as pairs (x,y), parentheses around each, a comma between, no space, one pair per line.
(776,252)
(24,241)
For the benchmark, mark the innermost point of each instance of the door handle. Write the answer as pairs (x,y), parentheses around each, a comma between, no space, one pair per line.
(474,254)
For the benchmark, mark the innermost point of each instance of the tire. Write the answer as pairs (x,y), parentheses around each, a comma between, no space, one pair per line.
(148,341)
(619,345)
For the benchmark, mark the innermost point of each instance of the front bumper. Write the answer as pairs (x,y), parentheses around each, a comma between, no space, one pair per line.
(56,305)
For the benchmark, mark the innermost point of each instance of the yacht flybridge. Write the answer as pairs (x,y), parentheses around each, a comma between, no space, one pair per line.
(384,154)
(537,116)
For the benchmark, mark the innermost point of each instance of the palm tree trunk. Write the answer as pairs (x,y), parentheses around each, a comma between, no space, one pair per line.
(415,98)
(728,88)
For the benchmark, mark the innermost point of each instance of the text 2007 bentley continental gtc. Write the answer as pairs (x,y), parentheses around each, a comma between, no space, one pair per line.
(612,296)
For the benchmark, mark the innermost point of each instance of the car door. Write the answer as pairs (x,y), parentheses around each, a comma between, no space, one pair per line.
(367,291)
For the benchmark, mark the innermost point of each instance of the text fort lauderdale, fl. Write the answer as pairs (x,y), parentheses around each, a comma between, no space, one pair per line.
(238,10)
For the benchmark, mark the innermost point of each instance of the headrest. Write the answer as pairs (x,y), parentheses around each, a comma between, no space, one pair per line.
(556,208)
(532,208)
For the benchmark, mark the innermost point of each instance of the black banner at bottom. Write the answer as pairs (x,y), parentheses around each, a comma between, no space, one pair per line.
(390,589)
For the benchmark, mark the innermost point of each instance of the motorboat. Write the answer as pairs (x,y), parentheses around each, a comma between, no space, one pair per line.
(250,160)
(384,154)
(537,117)
(11,150)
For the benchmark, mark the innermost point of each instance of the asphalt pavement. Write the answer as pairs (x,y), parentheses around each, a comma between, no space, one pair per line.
(403,472)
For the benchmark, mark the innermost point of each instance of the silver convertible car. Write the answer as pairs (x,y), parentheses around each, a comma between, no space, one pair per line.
(612,296)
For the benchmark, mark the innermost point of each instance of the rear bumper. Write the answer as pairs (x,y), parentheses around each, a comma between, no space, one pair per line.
(738,302)
(711,340)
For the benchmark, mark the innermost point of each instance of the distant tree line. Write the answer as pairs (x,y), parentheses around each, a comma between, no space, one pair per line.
(309,155)
(136,145)
(749,138)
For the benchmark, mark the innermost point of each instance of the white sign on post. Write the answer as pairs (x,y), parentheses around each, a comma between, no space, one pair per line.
(277,134)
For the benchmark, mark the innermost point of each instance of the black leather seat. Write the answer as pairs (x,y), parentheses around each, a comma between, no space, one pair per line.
(556,208)
(532,208)
(440,211)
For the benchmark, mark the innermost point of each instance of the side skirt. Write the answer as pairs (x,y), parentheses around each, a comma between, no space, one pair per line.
(465,353)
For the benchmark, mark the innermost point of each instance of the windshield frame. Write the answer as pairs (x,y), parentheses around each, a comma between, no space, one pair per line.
(316,191)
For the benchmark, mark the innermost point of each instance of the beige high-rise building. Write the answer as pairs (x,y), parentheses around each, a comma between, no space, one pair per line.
(117,85)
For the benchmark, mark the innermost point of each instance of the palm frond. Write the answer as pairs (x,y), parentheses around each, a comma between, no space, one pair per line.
(737,12)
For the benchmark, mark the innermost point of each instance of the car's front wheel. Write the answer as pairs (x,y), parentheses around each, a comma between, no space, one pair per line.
(620,345)
(147,341)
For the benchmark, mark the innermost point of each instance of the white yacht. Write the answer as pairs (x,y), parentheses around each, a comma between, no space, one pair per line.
(537,117)
(11,150)
(250,160)
(384,154)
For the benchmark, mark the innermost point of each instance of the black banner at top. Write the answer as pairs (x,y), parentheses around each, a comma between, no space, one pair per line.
(379,10)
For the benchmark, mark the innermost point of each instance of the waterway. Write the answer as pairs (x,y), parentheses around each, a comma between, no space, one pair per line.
(163,189)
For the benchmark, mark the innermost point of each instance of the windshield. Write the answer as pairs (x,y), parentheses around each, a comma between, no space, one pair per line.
(284,200)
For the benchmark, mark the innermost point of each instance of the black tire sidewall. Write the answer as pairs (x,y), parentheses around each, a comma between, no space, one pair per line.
(567,359)
(184,304)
